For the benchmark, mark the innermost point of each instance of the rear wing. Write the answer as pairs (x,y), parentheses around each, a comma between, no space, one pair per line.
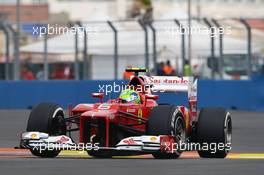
(174,84)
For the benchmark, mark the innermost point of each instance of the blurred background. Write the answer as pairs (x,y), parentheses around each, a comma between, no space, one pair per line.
(98,39)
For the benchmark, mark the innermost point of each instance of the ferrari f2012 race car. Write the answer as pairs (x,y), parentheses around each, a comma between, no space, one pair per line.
(132,124)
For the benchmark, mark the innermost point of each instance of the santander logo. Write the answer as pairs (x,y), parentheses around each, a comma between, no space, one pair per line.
(167,80)
(129,141)
(63,139)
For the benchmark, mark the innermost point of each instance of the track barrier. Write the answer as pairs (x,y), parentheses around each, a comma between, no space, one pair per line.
(232,94)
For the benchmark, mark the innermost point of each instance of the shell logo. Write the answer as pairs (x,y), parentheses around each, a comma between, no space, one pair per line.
(34,135)
(153,138)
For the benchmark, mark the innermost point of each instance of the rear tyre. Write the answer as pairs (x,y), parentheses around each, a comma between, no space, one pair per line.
(167,120)
(214,129)
(47,118)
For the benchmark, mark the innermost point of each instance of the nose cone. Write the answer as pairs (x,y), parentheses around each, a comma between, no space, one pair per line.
(96,113)
(102,111)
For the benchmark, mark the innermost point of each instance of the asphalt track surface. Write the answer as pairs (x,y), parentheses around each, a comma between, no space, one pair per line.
(247,155)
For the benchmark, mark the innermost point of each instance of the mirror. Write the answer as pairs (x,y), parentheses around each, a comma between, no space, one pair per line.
(98,95)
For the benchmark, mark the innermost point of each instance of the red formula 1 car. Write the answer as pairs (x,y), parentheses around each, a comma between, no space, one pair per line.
(117,127)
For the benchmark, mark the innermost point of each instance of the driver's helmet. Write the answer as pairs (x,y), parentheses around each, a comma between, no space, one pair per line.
(129,95)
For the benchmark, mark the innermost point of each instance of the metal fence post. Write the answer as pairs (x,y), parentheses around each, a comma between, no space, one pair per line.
(17,40)
(249,40)
(212,37)
(154,47)
(4,29)
(16,53)
(182,43)
(85,58)
(115,49)
(45,56)
(144,27)
(76,60)
(221,35)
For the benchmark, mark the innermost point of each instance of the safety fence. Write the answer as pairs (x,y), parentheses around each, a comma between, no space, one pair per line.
(82,50)
(242,95)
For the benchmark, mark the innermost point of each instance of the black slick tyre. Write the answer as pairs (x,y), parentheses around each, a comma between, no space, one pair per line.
(47,118)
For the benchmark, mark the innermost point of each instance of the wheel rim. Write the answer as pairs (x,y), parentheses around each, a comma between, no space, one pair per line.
(58,126)
(179,130)
(228,130)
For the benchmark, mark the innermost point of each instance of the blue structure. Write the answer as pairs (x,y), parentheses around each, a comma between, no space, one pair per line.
(243,95)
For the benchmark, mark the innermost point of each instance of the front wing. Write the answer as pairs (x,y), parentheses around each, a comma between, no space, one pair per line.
(139,144)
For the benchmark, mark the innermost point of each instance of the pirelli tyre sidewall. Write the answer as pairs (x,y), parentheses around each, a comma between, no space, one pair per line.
(47,118)
(167,120)
(214,128)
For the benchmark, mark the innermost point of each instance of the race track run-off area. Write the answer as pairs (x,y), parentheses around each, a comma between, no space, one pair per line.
(246,157)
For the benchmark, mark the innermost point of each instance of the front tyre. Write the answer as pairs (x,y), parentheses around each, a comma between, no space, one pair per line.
(214,129)
(47,118)
(167,120)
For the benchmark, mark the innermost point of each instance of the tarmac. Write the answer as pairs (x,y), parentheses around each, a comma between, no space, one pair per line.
(246,157)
